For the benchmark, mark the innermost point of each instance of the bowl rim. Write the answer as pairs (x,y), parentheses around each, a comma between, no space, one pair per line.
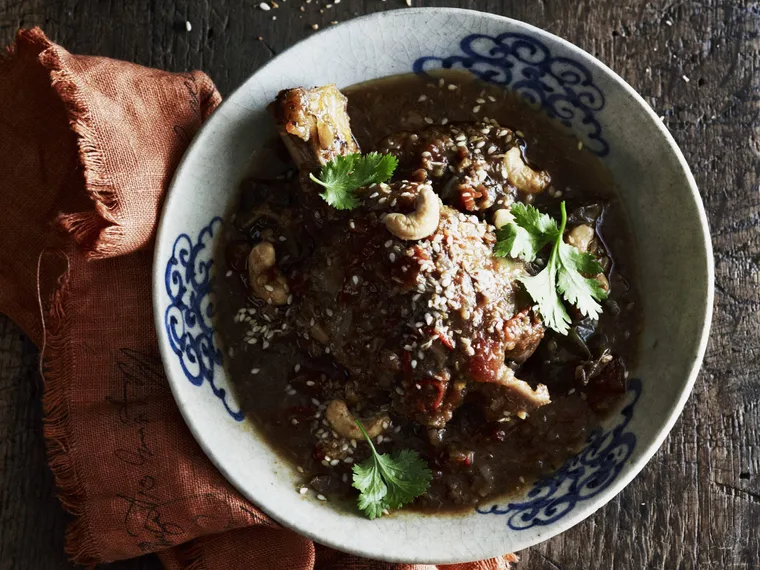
(631,469)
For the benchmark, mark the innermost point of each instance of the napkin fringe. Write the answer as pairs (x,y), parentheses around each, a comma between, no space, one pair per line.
(97,233)
(58,430)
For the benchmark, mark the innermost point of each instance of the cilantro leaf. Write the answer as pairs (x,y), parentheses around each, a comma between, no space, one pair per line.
(577,289)
(389,481)
(527,234)
(566,269)
(542,290)
(343,175)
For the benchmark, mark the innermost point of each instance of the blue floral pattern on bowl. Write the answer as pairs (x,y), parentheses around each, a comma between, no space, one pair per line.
(581,478)
(563,87)
(188,318)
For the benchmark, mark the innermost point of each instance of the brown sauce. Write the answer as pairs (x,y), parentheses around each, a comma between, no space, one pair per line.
(284,380)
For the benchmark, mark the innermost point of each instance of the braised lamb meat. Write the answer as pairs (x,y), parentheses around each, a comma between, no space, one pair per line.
(314,125)
(451,315)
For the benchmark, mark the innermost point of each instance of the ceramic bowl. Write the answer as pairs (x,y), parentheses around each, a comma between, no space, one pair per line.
(611,120)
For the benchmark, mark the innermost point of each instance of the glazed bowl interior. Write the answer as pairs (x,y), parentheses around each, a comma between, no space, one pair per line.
(612,121)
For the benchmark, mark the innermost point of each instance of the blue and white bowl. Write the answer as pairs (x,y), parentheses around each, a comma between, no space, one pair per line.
(611,120)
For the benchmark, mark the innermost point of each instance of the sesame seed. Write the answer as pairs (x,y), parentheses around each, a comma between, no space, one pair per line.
(580,145)
(310,382)
(316,403)
(428,120)
(315,26)
(255,370)
(492,99)
(303,490)
(392,257)
(321,497)
(264,6)
(476,109)
(348,460)
(379,439)
(188,26)
(296,368)
(441,82)
(294,421)
(300,469)
(422,98)
(355,279)
(452,87)
(480,101)
(334,462)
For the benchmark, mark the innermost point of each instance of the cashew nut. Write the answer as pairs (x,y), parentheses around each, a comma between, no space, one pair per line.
(502,217)
(581,237)
(342,421)
(522,176)
(422,222)
(603,281)
(266,281)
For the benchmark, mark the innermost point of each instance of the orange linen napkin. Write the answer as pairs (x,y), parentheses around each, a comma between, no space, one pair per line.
(88,146)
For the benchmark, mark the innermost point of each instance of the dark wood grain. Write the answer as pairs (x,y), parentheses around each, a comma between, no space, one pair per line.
(697,503)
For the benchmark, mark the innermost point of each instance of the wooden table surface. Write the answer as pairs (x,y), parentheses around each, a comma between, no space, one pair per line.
(697,503)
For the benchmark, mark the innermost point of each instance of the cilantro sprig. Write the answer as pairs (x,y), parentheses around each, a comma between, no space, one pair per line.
(389,481)
(343,175)
(524,237)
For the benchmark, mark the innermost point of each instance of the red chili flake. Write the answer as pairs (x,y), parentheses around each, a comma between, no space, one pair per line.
(318,454)
(442,336)
(406,364)
(445,340)
(468,197)
(458,457)
(420,253)
(438,385)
